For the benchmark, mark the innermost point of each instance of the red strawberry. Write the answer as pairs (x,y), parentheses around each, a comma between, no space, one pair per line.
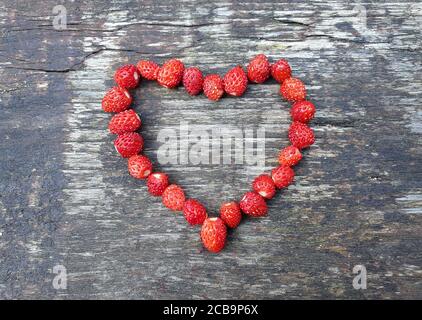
(213,87)
(194,212)
(171,73)
(174,197)
(292,89)
(230,213)
(282,176)
(235,81)
(116,100)
(280,70)
(213,234)
(129,144)
(148,69)
(264,186)
(126,121)
(193,80)
(259,69)
(302,111)
(127,77)
(157,182)
(300,135)
(253,204)
(139,166)
(289,156)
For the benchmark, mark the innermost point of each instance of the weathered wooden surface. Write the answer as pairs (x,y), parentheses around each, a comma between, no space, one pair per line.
(66,198)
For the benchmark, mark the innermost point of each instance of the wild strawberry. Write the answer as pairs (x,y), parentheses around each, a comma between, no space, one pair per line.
(126,121)
(253,204)
(264,186)
(292,89)
(302,111)
(230,213)
(116,100)
(213,87)
(194,212)
(171,73)
(214,234)
(157,182)
(259,69)
(235,81)
(300,135)
(127,77)
(289,156)
(174,197)
(139,166)
(280,70)
(129,144)
(148,69)
(282,176)
(193,80)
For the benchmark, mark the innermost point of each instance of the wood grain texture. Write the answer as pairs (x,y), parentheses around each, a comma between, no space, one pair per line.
(66,198)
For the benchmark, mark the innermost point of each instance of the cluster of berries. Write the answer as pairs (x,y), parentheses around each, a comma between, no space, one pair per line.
(129,143)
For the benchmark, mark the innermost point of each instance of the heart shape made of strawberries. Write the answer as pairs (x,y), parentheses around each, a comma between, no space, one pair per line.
(129,144)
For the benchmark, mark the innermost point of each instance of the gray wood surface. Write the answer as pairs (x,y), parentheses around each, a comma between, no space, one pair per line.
(66,197)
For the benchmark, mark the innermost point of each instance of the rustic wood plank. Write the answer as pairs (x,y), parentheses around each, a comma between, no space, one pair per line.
(66,198)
